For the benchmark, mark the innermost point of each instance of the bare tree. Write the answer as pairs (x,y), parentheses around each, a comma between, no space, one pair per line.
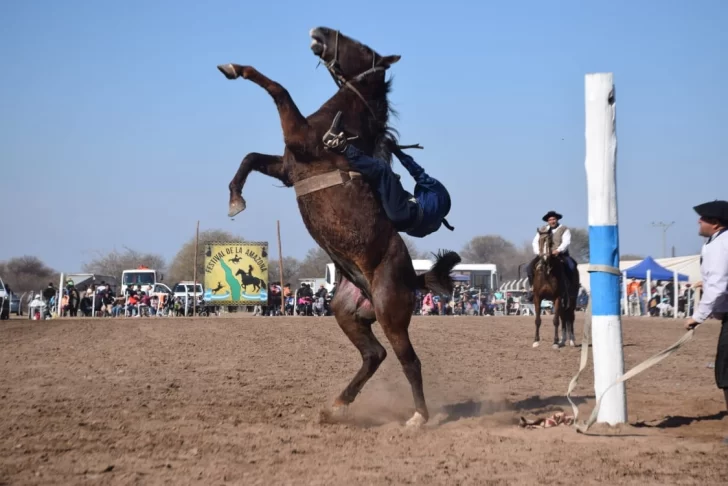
(183,263)
(115,262)
(579,247)
(415,253)
(291,270)
(497,250)
(27,273)
(314,264)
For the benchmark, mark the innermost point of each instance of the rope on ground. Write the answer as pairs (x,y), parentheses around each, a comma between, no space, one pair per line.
(586,341)
(559,418)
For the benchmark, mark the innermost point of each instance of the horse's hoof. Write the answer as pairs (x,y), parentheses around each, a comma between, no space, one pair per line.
(416,421)
(535,344)
(556,346)
(572,343)
(228,70)
(339,412)
(334,415)
(236,207)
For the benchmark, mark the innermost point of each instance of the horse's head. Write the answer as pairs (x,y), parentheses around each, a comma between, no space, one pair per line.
(545,243)
(352,63)
(345,57)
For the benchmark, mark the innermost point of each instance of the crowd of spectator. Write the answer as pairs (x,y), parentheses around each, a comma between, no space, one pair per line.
(102,301)
(662,300)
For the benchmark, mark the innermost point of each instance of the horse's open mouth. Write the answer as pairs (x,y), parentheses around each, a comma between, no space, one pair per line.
(318,44)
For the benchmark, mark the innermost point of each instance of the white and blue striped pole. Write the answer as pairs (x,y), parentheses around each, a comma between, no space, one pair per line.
(601,175)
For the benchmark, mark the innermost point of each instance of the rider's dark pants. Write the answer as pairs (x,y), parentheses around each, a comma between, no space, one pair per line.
(570,263)
(397,203)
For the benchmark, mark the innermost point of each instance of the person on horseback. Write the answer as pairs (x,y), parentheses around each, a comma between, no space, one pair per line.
(417,215)
(561,237)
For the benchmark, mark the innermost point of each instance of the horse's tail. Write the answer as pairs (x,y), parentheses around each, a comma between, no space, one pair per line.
(262,285)
(438,277)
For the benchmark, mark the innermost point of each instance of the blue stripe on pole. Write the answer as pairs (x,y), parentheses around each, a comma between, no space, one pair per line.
(605,287)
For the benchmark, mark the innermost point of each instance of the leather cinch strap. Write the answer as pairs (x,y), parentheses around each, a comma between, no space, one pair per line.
(322,181)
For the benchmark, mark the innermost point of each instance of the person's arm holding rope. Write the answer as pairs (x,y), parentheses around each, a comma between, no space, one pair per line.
(715,284)
(713,223)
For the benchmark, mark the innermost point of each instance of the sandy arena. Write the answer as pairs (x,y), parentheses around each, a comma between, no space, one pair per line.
(239,401)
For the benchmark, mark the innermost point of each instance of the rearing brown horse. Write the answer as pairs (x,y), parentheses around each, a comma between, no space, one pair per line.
(376,279)
(550,283)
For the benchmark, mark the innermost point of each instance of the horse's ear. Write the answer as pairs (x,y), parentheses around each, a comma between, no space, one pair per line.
(387,61)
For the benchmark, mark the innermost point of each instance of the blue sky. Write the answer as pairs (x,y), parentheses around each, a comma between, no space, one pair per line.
(117,130)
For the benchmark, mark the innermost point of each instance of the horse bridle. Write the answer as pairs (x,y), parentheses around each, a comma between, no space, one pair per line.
(340,79)
(545,255)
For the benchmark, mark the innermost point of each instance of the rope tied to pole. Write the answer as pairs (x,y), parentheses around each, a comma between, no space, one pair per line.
(586,342)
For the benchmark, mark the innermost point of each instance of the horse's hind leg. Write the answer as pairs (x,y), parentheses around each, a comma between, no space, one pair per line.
(557,314)
(393,304)
(570,318)
(356,321)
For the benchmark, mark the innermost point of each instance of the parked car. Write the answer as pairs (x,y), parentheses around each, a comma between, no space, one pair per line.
(187,287)
(4,302)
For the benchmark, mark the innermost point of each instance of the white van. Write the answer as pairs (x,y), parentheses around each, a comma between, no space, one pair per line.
(187,287)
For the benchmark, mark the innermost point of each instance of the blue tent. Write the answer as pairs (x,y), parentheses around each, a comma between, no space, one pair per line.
(657,271)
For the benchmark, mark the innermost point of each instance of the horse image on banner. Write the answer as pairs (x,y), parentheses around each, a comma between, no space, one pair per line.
(236,273)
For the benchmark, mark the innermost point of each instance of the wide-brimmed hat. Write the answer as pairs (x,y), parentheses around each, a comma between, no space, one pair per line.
(713,210)
(552,214)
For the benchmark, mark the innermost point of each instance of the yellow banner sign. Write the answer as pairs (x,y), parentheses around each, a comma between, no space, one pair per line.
(236,273)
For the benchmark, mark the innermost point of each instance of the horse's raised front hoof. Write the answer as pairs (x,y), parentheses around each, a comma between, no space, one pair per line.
(535,344)
(228,70)
(236,207)
(416,421)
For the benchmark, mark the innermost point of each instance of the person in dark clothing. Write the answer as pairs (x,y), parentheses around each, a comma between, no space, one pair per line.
(49,292)
(321,292)
(74,299)
(417,215)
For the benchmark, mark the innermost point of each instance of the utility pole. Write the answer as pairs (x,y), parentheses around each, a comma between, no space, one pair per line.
(665,227)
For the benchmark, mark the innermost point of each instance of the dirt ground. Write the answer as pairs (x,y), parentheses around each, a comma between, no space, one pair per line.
(240,401)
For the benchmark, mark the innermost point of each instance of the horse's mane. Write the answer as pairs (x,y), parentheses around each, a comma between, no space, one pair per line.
(389,133)
(384,133)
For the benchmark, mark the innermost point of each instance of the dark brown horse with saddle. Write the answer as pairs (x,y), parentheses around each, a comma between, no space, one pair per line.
(376,279)
(550,283)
